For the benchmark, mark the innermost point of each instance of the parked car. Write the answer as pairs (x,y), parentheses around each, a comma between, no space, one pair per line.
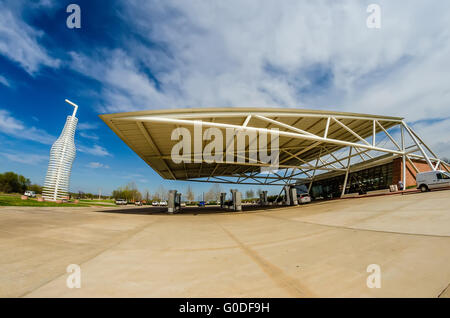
(138,203)
(155,203)
(163,203)
(201,203)
(429,180)
(30,194)
(121,202)
(304,198)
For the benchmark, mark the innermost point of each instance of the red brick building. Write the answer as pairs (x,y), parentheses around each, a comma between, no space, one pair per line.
(374,175)
(422,166)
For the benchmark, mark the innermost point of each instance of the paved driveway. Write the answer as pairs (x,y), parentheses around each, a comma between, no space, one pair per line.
(318,250)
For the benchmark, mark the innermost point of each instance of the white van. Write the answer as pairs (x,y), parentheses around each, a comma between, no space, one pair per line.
(432,180)
(30,193)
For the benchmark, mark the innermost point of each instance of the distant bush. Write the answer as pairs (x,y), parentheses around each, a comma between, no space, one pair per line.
(11,182)
(128,192)
(36,188)
(272,198)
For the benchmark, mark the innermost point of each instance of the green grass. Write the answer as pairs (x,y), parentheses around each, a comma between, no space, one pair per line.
(96,201)
(15,200)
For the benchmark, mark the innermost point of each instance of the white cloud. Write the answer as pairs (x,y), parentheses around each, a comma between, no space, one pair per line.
(4,81)
(96,150)
(89,136)
(96,165)
(87,126)
(124,85)
(26,158)
(133,175)
(265,53)
(435,135)
(16,128)
(305,54)
(20,43)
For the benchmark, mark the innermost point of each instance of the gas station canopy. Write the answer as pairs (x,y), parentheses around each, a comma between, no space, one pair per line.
(308,140)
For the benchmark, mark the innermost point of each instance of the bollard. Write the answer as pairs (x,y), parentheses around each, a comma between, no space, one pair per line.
(171,202)
(222,199)
(293,192)
(178,202)
(263,198)
(236,197)
(287,195)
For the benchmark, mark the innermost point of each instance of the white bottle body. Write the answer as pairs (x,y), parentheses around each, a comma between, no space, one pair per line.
(62,155)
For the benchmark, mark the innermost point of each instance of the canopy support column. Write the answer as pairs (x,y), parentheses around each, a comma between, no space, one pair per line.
(346,173)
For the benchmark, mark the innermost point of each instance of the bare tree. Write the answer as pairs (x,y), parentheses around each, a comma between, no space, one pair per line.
(190,196)
(249,194)
(161,192)
(129,192)
(259,192)
(213,193)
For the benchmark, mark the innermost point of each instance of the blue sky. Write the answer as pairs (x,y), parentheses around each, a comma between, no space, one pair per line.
(135,55)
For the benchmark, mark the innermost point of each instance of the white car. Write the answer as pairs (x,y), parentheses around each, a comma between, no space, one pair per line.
(155,203)
(304,198)
(432,180)
(29,193)
(163,203)
(121,202)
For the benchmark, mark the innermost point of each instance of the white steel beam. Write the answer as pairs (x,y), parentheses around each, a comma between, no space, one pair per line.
(423,143)
(402,132)
(374,132)
(267,131)
(325,135)
(275,122)
(389,135)
(412,164)
(418,146)
(347,171)
(350,131)
(231,113)
(150,141)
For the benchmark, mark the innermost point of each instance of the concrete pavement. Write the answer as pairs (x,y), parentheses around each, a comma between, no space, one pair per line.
(317,250)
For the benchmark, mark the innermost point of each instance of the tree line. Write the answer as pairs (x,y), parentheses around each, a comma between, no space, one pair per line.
(11,182)
(130,192)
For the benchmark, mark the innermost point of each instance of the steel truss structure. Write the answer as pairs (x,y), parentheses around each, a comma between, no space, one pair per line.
(310,143)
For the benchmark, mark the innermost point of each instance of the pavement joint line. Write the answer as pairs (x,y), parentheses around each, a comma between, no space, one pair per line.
(443,291)
(355,228)
(276,274)
(291,238)
(127,235)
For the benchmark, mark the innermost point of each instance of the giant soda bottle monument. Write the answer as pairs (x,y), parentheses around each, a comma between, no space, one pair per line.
(62,155)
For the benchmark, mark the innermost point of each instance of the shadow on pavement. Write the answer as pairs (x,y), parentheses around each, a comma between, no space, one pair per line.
(190,210)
